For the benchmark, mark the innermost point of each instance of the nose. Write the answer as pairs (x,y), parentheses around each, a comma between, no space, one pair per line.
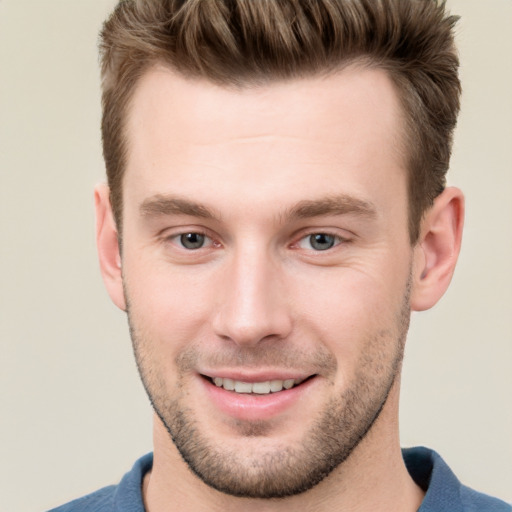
(253,305)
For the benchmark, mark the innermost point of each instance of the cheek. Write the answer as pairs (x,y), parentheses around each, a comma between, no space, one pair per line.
(169,305)
(347,297)
(348,308)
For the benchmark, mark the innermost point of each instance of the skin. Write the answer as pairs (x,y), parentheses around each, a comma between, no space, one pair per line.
(258,171)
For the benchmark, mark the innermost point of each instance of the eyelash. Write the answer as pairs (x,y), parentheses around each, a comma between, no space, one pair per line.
(178,239)
(336,240)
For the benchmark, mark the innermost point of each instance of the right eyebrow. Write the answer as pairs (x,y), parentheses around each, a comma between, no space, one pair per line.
(171,205)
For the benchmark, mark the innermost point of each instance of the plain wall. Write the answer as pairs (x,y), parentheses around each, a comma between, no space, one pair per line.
(74,416)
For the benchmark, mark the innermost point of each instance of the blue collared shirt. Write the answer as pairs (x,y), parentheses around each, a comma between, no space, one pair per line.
(444,492)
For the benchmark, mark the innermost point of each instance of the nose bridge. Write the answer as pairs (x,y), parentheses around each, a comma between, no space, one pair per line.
(252,306)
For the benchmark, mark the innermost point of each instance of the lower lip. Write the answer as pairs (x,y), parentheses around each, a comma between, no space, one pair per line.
(254,407)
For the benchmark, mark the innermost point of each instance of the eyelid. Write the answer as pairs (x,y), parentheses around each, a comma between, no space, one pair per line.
(340,239)
(307,238)
(173,235)
(176,239)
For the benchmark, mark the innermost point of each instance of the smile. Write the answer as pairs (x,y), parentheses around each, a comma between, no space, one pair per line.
(259,388)
(259,397)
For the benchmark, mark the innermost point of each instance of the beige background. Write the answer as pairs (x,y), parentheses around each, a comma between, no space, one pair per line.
(73,414)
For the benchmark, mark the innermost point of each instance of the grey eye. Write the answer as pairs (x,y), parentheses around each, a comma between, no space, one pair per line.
(192,240)
(321,241)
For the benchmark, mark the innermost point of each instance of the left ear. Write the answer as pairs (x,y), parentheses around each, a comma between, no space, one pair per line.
(437,249)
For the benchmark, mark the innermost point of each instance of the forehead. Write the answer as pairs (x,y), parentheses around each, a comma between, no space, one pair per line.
(277,142)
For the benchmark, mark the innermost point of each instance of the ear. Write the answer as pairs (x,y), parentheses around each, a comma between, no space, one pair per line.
(107,242)
(437,249)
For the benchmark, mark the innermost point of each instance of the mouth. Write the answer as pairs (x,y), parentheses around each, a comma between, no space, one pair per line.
(258,397)
(256,388)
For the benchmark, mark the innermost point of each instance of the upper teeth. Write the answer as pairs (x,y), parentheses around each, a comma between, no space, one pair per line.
(261,388)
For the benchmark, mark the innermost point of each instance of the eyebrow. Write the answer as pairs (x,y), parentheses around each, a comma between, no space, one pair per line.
(343,204)
(332,205)
(169,205)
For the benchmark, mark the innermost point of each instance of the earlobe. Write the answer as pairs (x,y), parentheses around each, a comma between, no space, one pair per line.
(107,242)
(437,249)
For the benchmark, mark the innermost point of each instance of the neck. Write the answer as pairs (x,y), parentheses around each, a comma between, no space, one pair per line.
(374,478)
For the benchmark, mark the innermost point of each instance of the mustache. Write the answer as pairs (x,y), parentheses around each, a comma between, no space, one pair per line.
(274,355)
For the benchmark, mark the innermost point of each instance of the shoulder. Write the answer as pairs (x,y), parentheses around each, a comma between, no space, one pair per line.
(443,490)
(124,497)
(99,501)
(474,501)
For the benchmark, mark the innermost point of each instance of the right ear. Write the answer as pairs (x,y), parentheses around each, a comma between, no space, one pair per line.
(107,242)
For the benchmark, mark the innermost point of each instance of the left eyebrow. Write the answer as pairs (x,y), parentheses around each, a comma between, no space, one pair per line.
(332,205)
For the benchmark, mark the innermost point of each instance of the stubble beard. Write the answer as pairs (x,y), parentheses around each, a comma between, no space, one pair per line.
(291,470)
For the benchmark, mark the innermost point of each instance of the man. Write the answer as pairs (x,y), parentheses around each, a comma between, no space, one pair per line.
(276,207)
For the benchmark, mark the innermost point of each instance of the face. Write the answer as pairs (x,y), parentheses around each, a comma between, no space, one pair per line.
(266,267)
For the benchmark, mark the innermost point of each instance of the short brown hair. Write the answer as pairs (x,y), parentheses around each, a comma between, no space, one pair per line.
(247,42)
